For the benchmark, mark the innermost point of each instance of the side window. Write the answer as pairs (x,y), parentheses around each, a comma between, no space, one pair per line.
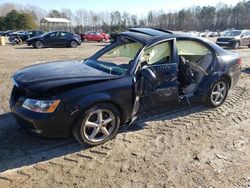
(192,50)
(53,34)
(248,33)
(158,54)
(64,34)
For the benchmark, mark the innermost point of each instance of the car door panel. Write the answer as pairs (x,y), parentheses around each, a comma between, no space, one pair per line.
(163,92)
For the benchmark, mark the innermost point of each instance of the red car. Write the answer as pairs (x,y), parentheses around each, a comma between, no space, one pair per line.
(95,36)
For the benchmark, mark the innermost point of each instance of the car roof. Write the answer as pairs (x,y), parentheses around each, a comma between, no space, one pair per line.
(146,35)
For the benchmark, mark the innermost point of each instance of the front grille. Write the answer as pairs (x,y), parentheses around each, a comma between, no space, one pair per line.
(223,39)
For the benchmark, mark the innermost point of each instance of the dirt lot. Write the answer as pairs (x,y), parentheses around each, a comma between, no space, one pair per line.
(205,148)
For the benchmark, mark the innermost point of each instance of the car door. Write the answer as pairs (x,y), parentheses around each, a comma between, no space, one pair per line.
(248,38)
(158,61)
(91,36)
(64,39)
(243,38)
(51,39)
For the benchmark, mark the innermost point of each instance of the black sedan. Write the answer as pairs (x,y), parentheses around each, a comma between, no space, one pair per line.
(23,36)
(143,70)
(55,39)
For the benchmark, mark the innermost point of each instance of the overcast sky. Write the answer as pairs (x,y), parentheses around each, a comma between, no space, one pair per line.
(132,6)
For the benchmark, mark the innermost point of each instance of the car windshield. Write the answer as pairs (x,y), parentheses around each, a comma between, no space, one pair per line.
(117,60)
(233,33)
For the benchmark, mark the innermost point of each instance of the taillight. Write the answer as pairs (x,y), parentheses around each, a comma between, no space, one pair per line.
(239,61)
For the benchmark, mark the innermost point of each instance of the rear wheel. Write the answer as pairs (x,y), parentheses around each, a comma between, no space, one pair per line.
(97,125)
(73,44)
(218,93)
(39,44)
(249,46)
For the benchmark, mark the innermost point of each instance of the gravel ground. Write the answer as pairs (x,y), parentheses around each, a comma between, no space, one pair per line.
(205,148)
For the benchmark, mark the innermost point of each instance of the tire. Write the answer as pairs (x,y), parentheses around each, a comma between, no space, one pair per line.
(249,46)
(73,44)
(96,131)
(237,45)
(39,44)
(218,94)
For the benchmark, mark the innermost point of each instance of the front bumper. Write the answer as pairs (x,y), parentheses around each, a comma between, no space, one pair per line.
(53,125)
(227,44)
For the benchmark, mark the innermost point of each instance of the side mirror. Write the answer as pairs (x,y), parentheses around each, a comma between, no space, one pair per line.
(148,74)
(243,35)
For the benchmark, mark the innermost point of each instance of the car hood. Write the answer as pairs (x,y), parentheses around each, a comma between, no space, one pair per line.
(46,76)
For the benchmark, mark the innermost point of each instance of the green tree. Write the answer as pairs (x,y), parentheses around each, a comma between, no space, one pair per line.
(17,20)
(2,23)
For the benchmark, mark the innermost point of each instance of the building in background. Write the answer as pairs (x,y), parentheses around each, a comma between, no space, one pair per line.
(49,24)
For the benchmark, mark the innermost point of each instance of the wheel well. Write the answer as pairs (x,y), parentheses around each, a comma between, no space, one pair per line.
(119,108)
(74,41)
(37,41)
(228,79)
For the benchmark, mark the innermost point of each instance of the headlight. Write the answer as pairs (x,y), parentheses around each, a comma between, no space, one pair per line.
(40,105)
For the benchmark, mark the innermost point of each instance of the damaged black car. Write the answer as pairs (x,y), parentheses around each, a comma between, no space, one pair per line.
(145,69)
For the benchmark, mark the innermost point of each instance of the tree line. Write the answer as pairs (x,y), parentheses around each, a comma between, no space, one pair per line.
(16,20)
(197,18)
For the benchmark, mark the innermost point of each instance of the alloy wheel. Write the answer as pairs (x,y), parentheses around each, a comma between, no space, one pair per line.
(99,125)
(39,44)
(219,93)
(73,44)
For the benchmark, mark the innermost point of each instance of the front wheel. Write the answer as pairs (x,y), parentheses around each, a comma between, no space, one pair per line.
(218,93)
(97,125)
(39,44)
(73,44)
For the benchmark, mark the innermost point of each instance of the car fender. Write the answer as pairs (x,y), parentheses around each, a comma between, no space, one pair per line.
(92,99)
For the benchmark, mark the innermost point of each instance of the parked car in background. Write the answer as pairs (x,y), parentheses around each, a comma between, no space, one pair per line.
(235,39)
(225,32)
(194,33)
(95,36)
(55,39)
(7,33)
(23,36)
(213,34)
(146,69)
(113,37)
